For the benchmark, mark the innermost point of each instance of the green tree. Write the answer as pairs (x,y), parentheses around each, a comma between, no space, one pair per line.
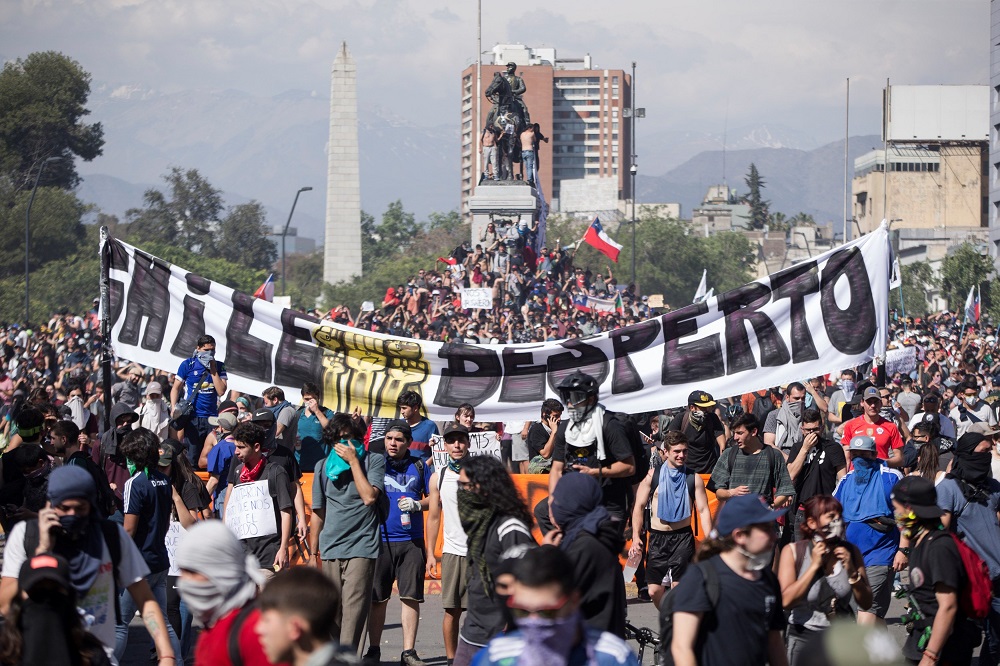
(42,105)
(388,239)
(779,222)
(56,229)
(918,280)
(962,269)
(304,278)
(242,237)
(186,219)
(759,214)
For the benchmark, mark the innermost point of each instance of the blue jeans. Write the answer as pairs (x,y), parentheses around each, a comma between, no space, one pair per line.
(158,583)
(194,437)
(528,161)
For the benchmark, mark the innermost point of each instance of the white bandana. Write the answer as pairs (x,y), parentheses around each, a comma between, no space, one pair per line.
(583,433)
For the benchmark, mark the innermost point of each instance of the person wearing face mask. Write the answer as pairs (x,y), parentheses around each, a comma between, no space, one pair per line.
(348,489)
(931,404)
(218,582)
(43,627)
(937,574)
(820,575)
(102,558)
(744,626)
(783,427)
(865,494)
(888,441)
(970,499)
(549,629)
(66,443)
(154,415)
(841,397)
(203,380)
(108,456)
(971,409)
(498,526)
(703,430)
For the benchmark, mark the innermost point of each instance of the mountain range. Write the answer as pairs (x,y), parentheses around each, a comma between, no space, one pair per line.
(266,148)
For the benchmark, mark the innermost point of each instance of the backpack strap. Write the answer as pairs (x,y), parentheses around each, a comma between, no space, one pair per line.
(712,587)
(31,537)
(441,477)
(233,640)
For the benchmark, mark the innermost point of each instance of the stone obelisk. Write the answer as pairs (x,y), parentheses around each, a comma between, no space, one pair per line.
(342,250)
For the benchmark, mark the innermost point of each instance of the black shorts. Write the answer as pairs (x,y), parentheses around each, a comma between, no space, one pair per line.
(668,555)
(404,562)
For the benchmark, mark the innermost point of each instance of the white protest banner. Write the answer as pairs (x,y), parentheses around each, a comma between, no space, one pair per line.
(250,511)
(477,298)
(900,360)
(485,443)
(367,306)
(823,314)
(173,537)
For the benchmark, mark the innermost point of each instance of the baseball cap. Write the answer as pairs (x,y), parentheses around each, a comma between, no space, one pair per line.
(701,399)
(871,392)
(401,426)
(861,443)
(42,568)
(226,421)
(263,415)
(456,428)
(743,511)
(982,428)
(919,494)
(154,388)
(166,455)
(228,406)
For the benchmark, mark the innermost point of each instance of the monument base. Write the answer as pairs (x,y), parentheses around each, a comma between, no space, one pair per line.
(495,200)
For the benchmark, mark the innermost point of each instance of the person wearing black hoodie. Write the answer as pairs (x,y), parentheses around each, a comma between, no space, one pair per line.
(110,460)
(592,540)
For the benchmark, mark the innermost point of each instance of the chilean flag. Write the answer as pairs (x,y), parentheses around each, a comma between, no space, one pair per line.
(599,239)
(266,290)
(972,305)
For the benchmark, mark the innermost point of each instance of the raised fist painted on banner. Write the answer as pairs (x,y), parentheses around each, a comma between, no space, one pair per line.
(369,372)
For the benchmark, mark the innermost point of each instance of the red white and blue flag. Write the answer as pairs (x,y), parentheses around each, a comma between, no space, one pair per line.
(972,305)
(599,239)
(266,290)
(602,306)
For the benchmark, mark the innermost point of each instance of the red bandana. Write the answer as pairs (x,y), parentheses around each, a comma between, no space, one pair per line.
(247,474)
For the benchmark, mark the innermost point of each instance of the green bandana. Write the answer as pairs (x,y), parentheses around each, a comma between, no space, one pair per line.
(132,468)
(476,514)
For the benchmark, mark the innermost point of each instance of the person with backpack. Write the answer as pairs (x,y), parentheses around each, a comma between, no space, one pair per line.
(593,441)
(820,575)
(194,396)
(219,582)
(971,409)
(970,499)
(752,467)
(943,633)
(402,557)
(727,608)
(66,445)
(761,403)
(454,561)
(592,539)
(102,559)
(672,491)
(865,493)
(348,500)
(705,434)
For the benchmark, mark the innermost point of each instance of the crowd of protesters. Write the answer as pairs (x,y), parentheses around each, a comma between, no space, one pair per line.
(837,491)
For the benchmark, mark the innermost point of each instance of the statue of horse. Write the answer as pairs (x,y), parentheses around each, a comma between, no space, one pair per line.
(507,117)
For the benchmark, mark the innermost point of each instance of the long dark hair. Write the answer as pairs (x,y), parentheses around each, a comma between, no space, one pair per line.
(12,641)
(493,484)
(181,471)
(928,459)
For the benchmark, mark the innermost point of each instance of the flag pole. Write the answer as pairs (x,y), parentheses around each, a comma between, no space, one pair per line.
(106,324)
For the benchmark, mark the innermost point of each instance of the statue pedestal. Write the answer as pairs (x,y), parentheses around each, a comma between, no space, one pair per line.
(493,200)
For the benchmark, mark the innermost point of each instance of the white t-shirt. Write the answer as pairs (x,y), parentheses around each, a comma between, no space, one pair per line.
(99,603)
(946,425)
(455,540)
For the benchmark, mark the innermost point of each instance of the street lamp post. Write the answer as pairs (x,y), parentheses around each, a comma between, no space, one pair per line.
(285,233)
(633,168)
(27,239)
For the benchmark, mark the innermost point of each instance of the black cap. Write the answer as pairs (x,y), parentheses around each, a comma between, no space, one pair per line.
(402,426)
(919,494)
(701,399)
(263,415)
(228,406)
(456,427)
(44,567)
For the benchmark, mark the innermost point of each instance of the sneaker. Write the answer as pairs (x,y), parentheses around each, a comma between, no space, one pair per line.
(373,657)
(644,594)
(410,658)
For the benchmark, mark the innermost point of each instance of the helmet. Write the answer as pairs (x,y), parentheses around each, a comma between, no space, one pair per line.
(575,391)
(734,411)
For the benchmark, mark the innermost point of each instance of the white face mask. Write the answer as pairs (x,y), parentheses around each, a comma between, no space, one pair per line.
(835,529)
(970,400)
(758,561)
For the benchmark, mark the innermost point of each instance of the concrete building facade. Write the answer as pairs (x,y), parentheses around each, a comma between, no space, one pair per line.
(342,246)
(578,107)
(994,163)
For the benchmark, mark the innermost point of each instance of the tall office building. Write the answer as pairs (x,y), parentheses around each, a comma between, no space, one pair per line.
(994,164)
(342,248)
(578,107)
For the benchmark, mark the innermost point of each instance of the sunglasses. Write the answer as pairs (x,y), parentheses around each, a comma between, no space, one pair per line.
(547,612)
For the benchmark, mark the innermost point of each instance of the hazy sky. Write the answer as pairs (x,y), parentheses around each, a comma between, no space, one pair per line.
(778,62)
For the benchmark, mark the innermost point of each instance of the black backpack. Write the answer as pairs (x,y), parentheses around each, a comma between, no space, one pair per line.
(762,406)
(639,450)
(714,591)
(109,531)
